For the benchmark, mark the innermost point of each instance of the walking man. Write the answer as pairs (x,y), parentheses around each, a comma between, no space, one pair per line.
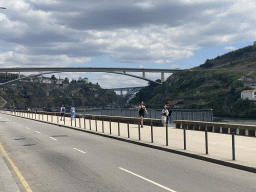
(62,112)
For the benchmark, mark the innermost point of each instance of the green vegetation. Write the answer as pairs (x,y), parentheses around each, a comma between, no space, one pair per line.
(40,95)
(212,85)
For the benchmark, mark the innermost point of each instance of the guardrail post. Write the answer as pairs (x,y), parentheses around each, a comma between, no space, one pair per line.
(96,125)
(84,123)
(57,119)
(110,127)
(128,129)
(166,135)
(139,130)
(233,146)
(151,133)
(47,117)
(75,121)
(206,140)
(64,120)
(184,128)
(102,126)
(79,122)
(71,121)
(118,128)
(90,124)
(52,118)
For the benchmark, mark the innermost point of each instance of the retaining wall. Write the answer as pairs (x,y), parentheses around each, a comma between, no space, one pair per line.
(238,129)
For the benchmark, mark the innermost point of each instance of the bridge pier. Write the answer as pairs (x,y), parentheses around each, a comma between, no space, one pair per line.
(162,77)
(143,74)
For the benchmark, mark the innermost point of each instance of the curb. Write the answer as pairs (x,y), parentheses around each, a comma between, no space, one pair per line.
(141,143)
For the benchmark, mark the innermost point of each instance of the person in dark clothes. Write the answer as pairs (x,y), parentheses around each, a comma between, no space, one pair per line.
(141,111)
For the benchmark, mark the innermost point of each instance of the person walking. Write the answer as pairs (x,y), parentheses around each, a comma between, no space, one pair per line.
(73,112)
(62,112)
(165,114)
(168,121)
(141,111)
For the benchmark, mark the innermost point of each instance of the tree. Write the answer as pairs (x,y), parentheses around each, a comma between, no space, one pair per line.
(53,78)
(80,80)
(66,80)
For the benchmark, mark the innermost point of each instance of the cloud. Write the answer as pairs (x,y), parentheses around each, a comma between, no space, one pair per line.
(67,33)
(230,48)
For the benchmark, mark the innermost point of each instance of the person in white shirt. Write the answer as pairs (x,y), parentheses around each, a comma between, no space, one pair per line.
(165,114)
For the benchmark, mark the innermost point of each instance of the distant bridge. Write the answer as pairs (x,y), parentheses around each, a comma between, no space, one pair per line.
(130,92)
(120,71)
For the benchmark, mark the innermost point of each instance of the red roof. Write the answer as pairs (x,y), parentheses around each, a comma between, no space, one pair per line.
(244,91)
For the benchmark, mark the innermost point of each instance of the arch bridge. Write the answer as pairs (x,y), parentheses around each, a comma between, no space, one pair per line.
(120,71)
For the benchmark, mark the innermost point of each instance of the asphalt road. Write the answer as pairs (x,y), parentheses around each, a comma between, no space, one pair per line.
(58,159)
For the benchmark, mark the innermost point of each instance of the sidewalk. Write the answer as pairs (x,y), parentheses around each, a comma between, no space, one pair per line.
(219,145)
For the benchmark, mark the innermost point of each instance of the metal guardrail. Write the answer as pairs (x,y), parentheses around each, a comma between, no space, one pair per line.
(177,114)
(185,128)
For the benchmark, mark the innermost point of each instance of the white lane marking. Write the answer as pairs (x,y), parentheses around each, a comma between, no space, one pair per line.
(27,127)
(37,132)
(159,185)
(79,150)
(53,138)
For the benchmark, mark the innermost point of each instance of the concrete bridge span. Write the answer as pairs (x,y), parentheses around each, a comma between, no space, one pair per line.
(121,71)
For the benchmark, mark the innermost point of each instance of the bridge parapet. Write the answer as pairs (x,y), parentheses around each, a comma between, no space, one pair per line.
(238,129)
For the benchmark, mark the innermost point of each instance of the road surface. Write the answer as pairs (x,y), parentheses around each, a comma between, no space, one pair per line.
(57,159)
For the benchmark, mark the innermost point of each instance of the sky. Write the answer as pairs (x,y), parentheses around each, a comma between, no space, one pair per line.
(160,34)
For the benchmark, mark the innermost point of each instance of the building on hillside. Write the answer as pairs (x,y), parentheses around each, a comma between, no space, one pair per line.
(48,80)
(250,94)
(176,103)
(248,81)
(254,43)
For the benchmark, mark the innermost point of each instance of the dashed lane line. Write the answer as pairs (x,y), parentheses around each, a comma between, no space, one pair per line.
(79,150)
(157,184)
(53,139)
(37,132)
(22,179)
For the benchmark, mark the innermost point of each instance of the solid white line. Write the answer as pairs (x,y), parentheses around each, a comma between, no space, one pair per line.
(53,138)
(159,185)
(37,132)
(79,150)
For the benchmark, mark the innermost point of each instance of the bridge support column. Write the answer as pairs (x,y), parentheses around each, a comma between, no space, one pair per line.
(162,77)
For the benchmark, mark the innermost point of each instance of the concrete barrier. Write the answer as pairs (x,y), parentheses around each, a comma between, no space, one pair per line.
(238,129)
(131,120)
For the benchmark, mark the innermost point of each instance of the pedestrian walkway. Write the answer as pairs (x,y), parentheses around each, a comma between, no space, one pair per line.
(219,145)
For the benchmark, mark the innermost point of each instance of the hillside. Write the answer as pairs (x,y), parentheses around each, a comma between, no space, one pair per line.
(212,85)
(25,95)
(241,59)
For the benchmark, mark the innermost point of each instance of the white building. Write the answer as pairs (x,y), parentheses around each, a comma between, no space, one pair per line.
(250,94)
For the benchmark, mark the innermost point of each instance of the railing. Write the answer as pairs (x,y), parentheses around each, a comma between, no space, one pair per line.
(238,129)
(121,127)
(177,114)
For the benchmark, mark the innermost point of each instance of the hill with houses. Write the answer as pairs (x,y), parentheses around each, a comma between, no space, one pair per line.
(217,84)
(43,93)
